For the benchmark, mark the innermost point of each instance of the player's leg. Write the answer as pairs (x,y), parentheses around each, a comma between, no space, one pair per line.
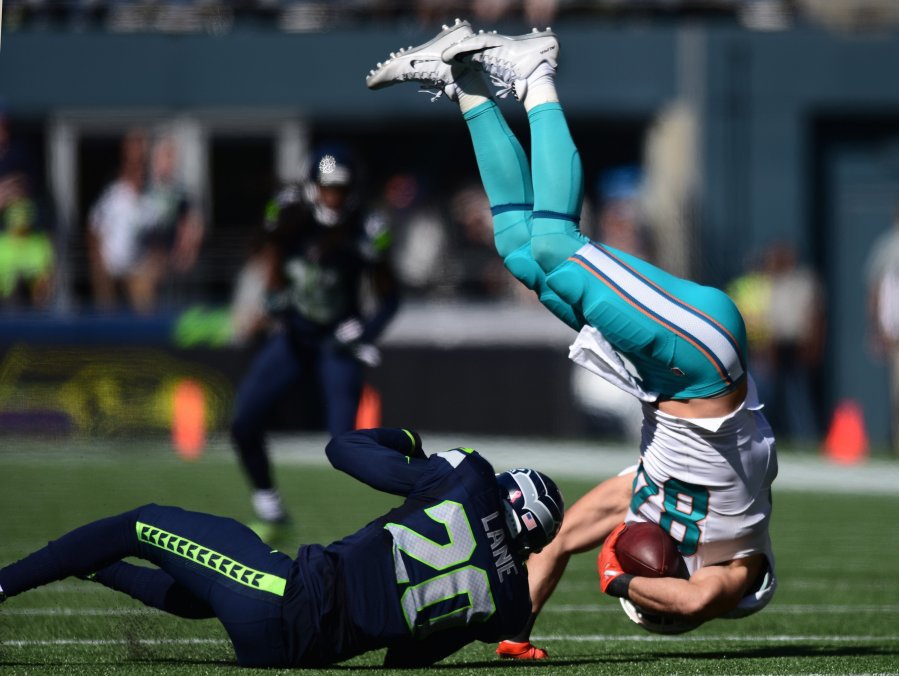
(526,65)
(227,567)
(153,587)
(501,160)
(275,369)
(586,524)
(340,375)
(77,553)
(506,177)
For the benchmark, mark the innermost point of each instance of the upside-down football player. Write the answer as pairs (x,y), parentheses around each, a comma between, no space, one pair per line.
(707,456)
(443,569)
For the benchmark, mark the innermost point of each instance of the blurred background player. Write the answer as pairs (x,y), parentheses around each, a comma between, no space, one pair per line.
(707,452)
(171,224)
(321,248)
(388,585)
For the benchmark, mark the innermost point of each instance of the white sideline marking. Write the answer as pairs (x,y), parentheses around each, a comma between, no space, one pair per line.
(80,612)
(595,638)
(792,609)
(111,641)
(703,639)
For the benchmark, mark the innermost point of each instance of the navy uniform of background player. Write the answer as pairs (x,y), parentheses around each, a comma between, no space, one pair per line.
(321,245)
(443,569)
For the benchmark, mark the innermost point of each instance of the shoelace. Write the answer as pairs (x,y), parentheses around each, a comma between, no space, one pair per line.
(502,74)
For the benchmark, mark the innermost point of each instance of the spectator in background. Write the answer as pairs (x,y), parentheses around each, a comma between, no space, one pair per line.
(882,272)
(420,240)
(751,291)
(478,273)
(796,322)
(114,235)
(620,224)
(26,253)
(171,226)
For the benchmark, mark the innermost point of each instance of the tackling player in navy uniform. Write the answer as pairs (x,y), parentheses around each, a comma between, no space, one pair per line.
(443,569)
(321,245)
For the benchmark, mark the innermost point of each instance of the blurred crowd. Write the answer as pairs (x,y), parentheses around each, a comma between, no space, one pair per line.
(218,16)
(27,257)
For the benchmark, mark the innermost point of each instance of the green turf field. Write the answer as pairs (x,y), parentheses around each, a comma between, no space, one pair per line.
(836,611)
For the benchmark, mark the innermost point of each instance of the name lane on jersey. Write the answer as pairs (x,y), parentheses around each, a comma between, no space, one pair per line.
(502,559)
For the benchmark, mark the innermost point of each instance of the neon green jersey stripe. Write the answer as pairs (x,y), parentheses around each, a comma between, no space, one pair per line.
(255,579)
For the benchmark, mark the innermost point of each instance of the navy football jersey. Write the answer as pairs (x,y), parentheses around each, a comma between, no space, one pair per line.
(322,266)
(426,578)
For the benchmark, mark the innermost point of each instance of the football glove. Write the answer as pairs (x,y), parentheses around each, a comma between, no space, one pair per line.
(612,578)
(525,650)
(347,336)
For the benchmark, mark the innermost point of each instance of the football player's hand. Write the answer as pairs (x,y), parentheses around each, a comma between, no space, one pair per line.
(348,331)
(609,567)
(347,335)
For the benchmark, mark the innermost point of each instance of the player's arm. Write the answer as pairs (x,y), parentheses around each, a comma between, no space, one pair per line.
(710,592)
(386,289)
(388,459)
(375,250)
(424,652)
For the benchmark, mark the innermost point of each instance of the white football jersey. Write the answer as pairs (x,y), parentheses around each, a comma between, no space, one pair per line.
(708,483)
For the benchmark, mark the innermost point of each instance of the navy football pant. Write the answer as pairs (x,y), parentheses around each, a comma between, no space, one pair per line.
(208,566)
(279,366)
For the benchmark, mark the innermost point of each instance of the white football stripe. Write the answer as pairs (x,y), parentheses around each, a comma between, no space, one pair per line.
(594,638)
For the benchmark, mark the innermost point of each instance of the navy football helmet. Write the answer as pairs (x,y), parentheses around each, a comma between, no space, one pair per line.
(534,508)
(333,182)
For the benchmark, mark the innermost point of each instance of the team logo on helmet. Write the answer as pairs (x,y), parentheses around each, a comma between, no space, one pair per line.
(534,507)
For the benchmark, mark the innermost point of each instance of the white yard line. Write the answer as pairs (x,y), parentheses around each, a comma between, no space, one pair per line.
(594,638)
(786,609)
(781,638)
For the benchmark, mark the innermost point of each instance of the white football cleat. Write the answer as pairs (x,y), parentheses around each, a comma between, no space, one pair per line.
(508,60)
(423,64)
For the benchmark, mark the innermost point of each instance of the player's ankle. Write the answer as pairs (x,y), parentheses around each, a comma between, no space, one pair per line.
(471,89)
(541,87)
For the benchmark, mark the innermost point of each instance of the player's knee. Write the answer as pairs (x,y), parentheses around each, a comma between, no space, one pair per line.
(550,251)
(524,268)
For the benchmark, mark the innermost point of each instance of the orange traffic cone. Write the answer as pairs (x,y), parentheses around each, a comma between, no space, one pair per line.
(847,442)
(189,419)
(368,415)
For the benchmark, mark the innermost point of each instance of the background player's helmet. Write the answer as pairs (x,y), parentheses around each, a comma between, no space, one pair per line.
(333,180)
(534,507)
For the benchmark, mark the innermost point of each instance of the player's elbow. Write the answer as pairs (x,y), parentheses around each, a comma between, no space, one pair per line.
(336,452)
(701,603)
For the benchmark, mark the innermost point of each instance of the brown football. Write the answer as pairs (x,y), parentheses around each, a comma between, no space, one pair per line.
(646,550)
